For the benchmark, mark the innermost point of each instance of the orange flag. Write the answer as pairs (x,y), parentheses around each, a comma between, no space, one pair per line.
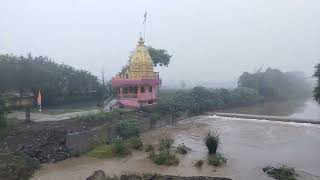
(39,98)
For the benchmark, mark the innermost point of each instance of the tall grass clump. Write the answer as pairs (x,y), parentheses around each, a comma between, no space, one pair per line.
(165,155)
(212,141)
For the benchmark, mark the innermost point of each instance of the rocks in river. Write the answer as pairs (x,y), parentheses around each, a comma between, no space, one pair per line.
(97,175)
(100,175)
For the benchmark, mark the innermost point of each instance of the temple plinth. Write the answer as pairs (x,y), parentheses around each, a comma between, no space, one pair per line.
(137,85)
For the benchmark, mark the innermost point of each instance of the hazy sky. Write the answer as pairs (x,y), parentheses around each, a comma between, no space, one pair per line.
(209,40)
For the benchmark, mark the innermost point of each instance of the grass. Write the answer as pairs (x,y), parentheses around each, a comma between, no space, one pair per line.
(281,173)
(135,143)
(118,148)
(165,158)
(216,160)
(212,141)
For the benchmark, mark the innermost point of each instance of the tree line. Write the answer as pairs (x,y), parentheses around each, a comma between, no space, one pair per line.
(253,88)
(59,83)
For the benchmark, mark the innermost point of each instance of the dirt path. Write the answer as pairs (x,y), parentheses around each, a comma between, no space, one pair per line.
(39,117)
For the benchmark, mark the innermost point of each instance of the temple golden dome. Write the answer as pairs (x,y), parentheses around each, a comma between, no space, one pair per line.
(141,65)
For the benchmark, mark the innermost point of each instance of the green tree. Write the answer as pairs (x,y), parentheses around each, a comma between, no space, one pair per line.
(316,91)
(59,83)
(159,56)
(3,112)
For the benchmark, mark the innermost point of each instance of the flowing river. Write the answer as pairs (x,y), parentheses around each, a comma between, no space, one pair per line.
(249,145)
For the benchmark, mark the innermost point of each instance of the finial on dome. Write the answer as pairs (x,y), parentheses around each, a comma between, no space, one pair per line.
(141,41)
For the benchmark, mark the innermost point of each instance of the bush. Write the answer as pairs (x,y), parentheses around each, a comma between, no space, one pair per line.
(212,140)
(165,144)
(129,128)
(165,158)
(120,148)
(281,173)
(149,149)
(216,160)
(199,163)
(116,148)
(3,112)
(182,149)
(103,151)
(135,143)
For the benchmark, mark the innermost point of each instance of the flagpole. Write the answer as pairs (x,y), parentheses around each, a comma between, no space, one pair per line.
(144,31)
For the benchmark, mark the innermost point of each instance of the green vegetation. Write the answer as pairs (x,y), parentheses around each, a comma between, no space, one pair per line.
(149,148)
(182,149)
(159,56)
(135,143)
(281,173)
(165,156)
(118,148)
(199,163)
(129,128)
(3,112)
(102,116)
(316,91)
(212,141)
(59,83)
(273,84)
(216,160)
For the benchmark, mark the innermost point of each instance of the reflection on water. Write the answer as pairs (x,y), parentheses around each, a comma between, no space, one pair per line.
(249,145)
(300,108)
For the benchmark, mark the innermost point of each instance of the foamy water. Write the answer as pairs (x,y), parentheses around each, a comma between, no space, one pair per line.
(249,145)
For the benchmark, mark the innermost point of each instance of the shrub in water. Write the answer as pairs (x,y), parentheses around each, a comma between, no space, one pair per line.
(165,158)
(149,148)
(212,140)
(135,143)
(216,160)
(165,144)
(281,173)
(182,149)
(120,147)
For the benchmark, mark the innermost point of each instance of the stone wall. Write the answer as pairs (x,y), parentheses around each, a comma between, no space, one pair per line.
(81,142)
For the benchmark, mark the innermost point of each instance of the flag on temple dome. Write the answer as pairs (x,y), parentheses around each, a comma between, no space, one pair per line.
(145,17)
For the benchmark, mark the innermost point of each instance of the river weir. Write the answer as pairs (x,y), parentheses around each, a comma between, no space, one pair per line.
(248,144)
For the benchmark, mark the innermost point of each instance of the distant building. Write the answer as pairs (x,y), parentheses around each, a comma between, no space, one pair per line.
(137,85)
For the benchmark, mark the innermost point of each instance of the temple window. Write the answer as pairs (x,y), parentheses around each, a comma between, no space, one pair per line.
(142,90)
(135,89)
(150,89)
(130,89)
(125,90)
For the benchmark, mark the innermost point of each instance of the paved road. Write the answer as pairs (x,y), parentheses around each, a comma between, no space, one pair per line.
(38,117)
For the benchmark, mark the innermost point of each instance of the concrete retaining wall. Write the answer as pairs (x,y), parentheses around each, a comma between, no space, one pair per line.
(81,142)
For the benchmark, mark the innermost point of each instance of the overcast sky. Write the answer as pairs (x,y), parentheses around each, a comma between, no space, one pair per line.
(209,40)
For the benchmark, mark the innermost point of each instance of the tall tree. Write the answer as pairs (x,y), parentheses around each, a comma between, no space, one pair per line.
(316,91)
(159,56)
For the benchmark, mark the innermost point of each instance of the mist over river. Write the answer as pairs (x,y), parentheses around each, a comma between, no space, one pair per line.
(249,145)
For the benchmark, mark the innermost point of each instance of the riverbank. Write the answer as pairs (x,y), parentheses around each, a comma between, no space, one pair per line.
(249,146)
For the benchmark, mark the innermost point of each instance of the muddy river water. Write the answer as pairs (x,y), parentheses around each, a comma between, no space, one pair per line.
(249,145)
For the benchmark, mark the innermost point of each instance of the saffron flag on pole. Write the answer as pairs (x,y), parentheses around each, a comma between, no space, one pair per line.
(39,100)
